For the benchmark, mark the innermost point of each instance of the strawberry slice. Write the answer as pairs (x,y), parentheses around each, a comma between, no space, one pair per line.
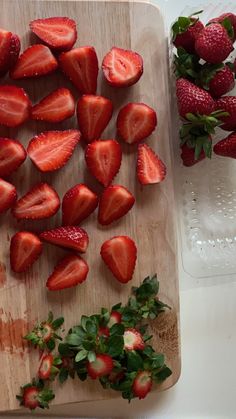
(150,168)
(12,155)
(9,50)
(8,195)
(142,384)
(74,238)
(55,107)
(71,271)
(57,32)
(122,67)
(133,340)
(103,158)
(45,367)
(115,317)
(42,201)
(37,60)
(103,365)
(15,106)
(94,114)
(25,249)
(81,66)
(78,203)
(14,51)
(114,203)
(120,254)
(135,122)
(51,150)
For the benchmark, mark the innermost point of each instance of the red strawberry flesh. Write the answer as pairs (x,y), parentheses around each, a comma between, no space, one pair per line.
(114,203)
(102,366)
(15,106)
(150,168)
(12,155)
(30,397)
(25,249)
(8,195)
(133,340)
(56,107)
(142,384)
(45,367)
(73,237)
(78,203)
(57,32)
(70,271)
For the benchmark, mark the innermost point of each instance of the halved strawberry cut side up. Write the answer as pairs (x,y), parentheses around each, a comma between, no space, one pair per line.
(5,45)
(42,201)
(12,155)
(78,203)
(103,158)
(81,66)
(114,203)
(122,67)
(25,249)
(55,107)
(57,32)
(37,60)
(70,237)
(133,340)
(150,168)
(71,271)
(94,114)
(51,150)
(135,122)
(115,317)
(45,367)
(8,195)
(15,106)
(102,366)
(142,384)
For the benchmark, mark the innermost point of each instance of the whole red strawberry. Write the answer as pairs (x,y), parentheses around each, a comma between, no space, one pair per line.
(228,104)
(193,99)
(185,32)
(231,17)
(227,146)
(187,156)
(213,44)
(222,82)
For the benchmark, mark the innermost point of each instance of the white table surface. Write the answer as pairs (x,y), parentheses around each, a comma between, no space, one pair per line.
(207,386)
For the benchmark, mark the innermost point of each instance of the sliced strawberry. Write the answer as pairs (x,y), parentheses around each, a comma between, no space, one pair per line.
(135,122)
(14,51)
(120,254)
(115,317)
(70,271)
(74,238)
(150,168)
(81,66)
(57,32)
(56,107)
(122,67)
(5,45)
(30,397)
(78,203)
(102,366)
(42,201)
(142,384)
(15,106)
(133,340)
(51,150)
(114,203)
(12,155)
(103,158)
(104,331)
(8,195)
(25,249)
(37,60)
(94,114)
(45,367)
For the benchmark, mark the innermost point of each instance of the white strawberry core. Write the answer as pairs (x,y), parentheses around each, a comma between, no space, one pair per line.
(129,339)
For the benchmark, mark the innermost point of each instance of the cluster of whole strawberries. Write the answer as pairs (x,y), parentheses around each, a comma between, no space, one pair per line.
(203,78)
(51,150)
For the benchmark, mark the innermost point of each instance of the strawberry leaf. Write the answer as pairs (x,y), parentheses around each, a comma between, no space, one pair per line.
(134,361)
(115,345)
(81,355)
(63,375)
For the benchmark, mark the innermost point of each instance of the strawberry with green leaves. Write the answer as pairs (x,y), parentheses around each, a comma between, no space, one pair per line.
(44,334)
(35,395)
(185,32)
(49,367)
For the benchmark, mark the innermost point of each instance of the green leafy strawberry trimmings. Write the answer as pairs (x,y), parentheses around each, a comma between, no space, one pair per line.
(112,346)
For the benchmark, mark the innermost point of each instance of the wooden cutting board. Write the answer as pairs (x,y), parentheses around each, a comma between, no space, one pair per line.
(24,298)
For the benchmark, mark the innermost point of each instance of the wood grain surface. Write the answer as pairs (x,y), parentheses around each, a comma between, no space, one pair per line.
(24,298)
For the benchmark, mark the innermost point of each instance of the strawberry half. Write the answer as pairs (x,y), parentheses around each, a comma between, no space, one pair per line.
(114,203)
(122,67)
(142,384)
(103,158)
(120,254)
(57,32)
(135,122)
(51,150)
(37,60)
(70,271)
(133,340)
(78,203)
(9,50)
(12,155)
(45,367)
(25,249)
(102,366)
(42,201)
(81,66)
(227,146)
(115,317)
(8,195)
(74,238)
(94,114)
(15,106)
(150,168)
(55,107)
